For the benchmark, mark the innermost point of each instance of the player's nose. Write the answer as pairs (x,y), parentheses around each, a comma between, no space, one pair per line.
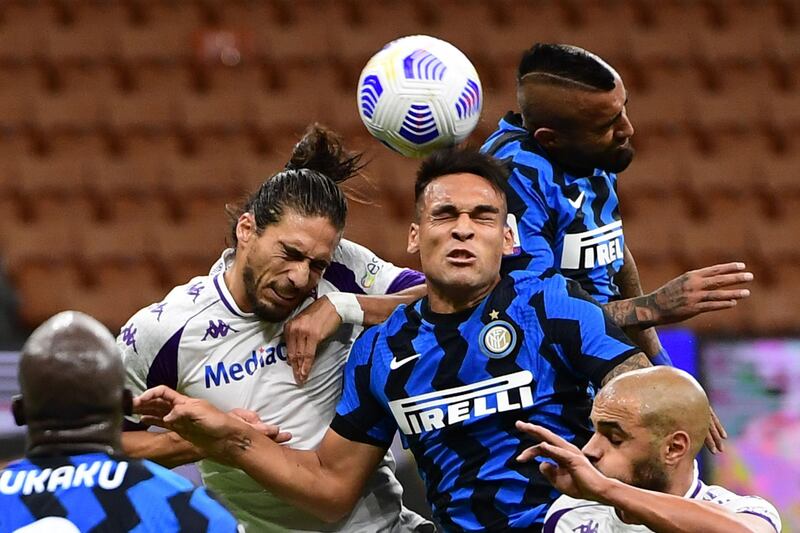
(463,230)
(592,449)
(299,274)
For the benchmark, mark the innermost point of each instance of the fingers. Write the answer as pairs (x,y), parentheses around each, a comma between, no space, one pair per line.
(549,470)
(710,443)
(726,280)
(545,435)
(158,400)
(283,436)
(251,417)
(716,422)
(724,268)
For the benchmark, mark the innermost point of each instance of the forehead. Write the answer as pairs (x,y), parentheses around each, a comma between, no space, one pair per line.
(312,235)
(600,105)
(462,190)
(610,407)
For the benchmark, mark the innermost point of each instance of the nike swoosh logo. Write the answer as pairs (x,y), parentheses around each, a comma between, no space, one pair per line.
(394,364)
(576,203)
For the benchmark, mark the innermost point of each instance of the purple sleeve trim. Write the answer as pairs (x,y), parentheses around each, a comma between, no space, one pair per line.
(551,523)
(164,370)
(342,278)
(407,278)
(765,517)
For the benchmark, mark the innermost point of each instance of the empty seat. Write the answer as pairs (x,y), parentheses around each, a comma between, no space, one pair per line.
(46,288)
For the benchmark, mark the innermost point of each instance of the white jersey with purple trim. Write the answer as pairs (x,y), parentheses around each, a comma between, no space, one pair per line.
(199,342)
(570,515)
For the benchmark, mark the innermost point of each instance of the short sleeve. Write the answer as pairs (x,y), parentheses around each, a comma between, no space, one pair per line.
(585,336)
(149,350)
(360,415)
(220,520)
(530,220)
(755,506)
(358,270)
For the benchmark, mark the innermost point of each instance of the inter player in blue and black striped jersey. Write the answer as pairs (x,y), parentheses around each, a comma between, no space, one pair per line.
(74,477)
(453,372)
(563,151)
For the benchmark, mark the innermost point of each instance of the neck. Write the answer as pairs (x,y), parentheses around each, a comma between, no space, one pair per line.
(447,300)
(234,280)
(681,480)
(47,438)
(679,484)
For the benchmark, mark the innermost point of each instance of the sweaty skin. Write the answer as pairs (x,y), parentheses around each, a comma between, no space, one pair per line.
(665,400)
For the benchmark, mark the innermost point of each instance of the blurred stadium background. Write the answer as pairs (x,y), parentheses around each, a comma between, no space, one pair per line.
(126,125)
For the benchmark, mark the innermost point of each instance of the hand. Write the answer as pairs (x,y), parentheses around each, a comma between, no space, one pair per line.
(305,332)
(270,430)
(698,291)
(573,474)
(218,434)
(716,435)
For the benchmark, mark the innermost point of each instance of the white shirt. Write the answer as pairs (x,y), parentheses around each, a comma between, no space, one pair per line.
(570,515)
(200,343)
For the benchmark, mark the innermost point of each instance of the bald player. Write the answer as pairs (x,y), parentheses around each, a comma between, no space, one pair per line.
(74,477)
(564,151)
(638,471)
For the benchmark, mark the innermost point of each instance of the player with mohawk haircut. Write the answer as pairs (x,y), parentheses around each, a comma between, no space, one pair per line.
(564,149)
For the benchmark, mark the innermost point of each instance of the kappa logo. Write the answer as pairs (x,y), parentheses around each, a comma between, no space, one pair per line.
(439,409)
(497,339)
(394,364)
(597,247)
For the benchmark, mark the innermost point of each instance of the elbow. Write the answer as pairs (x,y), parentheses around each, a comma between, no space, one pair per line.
(334,509)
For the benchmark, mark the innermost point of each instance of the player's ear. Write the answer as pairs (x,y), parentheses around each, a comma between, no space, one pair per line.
(18,410)
(678,445)
(413,238)
(127,402)
(546,137)
(508,240)
(246,227)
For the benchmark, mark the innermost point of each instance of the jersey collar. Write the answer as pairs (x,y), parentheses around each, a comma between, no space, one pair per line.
(217,272)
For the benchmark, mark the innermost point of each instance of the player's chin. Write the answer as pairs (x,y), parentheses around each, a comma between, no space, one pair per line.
(622,159)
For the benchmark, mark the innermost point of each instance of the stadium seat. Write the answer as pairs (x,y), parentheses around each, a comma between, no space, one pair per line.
(45,288)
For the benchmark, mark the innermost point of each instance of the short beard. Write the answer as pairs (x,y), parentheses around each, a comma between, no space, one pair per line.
(649,474)
(251,292)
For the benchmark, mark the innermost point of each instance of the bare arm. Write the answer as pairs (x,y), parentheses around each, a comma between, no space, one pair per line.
(320,320)
(167,449)
(627,279)
(377,308)
(326,482)
(634,362)
(575,476)
(695,292)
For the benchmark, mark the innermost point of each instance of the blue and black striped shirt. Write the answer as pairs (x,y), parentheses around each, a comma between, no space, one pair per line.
(100,493)
(455,385)
(562,223)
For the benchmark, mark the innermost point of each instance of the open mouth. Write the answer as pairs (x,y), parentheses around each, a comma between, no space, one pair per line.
(461,255)
(283,298)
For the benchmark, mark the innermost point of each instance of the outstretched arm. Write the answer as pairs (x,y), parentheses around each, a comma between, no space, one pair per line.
(326,482)
(573,475)
(627,279)
(695,292)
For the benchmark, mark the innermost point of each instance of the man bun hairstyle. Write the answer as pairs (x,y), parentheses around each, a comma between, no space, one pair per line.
(308,184)
(566,65)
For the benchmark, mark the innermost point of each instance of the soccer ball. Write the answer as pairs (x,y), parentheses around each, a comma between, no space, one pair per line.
(419,94)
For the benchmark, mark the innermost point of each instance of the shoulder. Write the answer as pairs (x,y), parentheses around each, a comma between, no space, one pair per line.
(735,503)
(567,513)
(152,326)
(357,269)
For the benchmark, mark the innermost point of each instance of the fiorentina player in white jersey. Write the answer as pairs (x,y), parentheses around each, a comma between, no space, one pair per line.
(222,337)
(638,472)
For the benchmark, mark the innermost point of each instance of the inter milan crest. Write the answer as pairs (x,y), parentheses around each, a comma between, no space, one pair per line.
(497,339)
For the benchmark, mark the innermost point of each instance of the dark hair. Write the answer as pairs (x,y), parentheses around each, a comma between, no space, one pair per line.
(569,63)
(459,161)
(307,185)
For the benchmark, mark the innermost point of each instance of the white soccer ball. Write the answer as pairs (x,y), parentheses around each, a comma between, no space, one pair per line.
(419,94)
